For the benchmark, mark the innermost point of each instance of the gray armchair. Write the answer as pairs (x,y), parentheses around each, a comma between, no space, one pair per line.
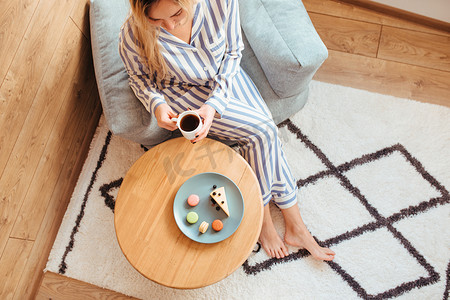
(282,53)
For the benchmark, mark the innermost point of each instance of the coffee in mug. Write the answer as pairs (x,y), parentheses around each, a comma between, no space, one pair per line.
(190,123)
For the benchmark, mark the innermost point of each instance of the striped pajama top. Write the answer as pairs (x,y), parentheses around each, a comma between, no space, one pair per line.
(203,69)
(207,71)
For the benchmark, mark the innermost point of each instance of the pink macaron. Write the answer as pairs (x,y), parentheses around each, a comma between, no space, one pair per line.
(193,200)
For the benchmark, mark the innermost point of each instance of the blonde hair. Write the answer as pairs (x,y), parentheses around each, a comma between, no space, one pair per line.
(147,34)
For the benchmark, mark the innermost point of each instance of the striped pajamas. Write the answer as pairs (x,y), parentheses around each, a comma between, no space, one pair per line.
(207,71)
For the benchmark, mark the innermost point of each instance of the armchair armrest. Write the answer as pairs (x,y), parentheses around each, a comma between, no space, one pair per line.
(284,41)
(124,114)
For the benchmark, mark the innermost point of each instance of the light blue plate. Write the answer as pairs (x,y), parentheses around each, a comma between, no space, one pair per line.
(202,185)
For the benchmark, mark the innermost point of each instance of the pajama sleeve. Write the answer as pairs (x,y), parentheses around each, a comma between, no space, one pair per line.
(141,81)
(230,63)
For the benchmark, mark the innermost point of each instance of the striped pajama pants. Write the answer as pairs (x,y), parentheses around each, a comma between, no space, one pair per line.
(248,122)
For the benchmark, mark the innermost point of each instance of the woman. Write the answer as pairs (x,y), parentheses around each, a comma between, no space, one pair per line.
(183,55)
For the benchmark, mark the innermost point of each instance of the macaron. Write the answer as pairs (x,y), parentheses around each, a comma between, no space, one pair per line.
(192,217)
(217,225)
(193,200)
(203,227)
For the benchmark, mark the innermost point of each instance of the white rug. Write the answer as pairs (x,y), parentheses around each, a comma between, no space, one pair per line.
(374,178)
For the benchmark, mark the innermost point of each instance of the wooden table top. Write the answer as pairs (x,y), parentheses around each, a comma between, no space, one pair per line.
(144,221)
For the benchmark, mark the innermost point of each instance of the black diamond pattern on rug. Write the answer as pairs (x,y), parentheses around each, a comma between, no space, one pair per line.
(380,222)
(105,191)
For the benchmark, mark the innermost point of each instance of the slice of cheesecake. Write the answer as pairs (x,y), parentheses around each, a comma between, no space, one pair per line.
(220,197)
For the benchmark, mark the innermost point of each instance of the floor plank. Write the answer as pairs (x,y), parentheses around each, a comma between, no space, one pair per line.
(415,48)
(58,287)
(26,72)
(13,261)
(345,10)
(80,16)
(21,167)
(14,19)
(396,11)
(31,278)
(347,35)
(38,101)
(52,159)
(386,77)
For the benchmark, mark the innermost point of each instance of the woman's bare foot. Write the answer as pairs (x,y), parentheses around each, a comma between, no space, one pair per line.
(297,235)
(269,238)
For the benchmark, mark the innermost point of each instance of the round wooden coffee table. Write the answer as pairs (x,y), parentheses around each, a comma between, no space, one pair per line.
(144,220)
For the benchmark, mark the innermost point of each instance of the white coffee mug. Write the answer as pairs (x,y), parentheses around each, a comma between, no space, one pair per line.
(189,122)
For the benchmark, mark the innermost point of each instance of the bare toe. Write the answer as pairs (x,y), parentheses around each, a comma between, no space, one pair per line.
(268,250)
(329,251)
(322,253)
(281,253)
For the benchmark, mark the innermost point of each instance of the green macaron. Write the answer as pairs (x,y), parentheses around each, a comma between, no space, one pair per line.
(192,217)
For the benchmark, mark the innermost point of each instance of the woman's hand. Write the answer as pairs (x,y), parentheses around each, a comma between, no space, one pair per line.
(164,115)
(207,112)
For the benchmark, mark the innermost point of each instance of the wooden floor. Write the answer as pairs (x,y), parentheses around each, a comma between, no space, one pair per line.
(49,109)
